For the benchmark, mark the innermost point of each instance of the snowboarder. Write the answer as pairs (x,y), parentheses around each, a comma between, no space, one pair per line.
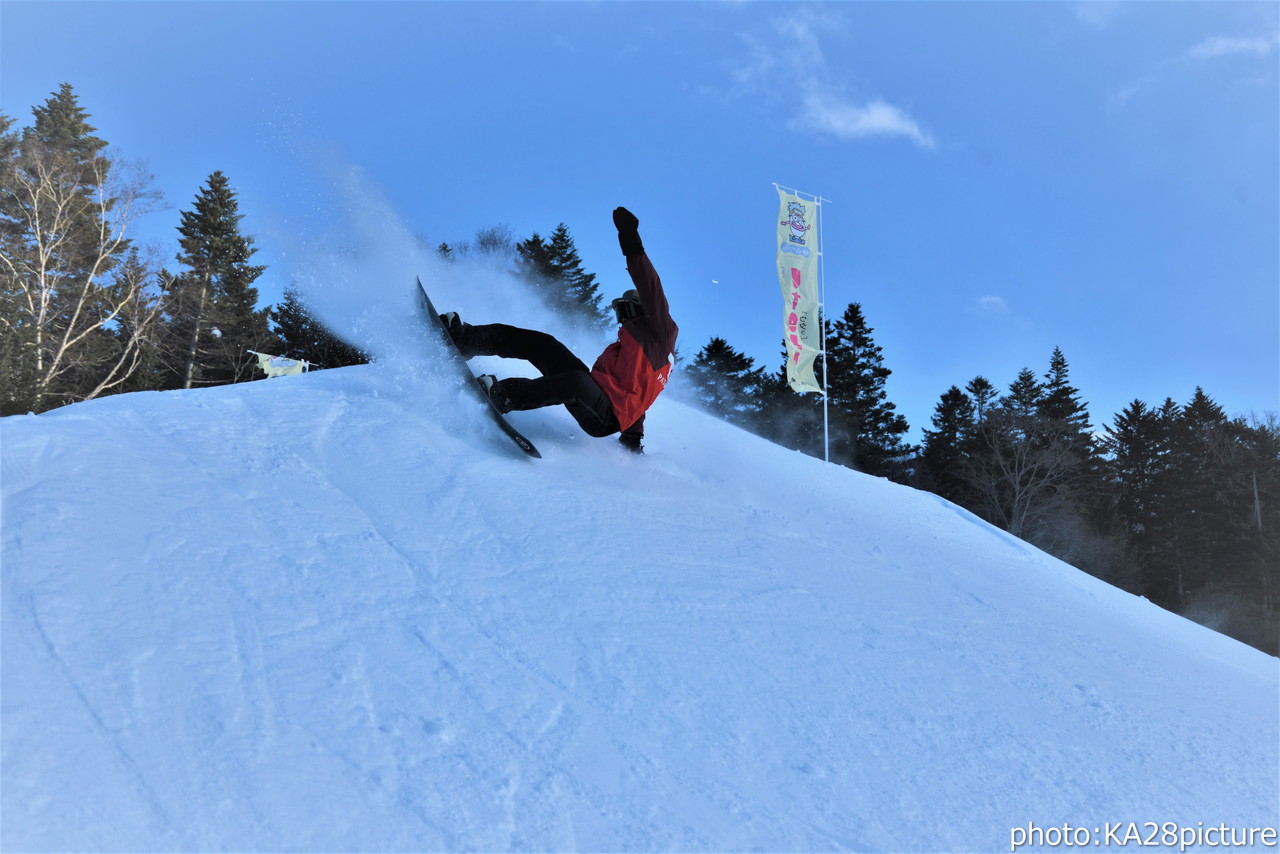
(613,395)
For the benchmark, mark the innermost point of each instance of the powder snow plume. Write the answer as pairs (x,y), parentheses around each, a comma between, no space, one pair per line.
(360,281)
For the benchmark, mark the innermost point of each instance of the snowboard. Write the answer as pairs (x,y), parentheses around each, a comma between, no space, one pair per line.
(469,378)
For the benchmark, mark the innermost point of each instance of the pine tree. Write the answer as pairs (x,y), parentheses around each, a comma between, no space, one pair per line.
(307,338)
(581,291)
(17,329)
(64,211)
(726,382)
(947,445)
(867,432)
(1065,416)
(213,316)
(555,269)
(61,146)
(1210,512)
(1061,405)
(535,264)
(1196,491)
(1181,515)
(1025,397)
(982,393)
(1138,442)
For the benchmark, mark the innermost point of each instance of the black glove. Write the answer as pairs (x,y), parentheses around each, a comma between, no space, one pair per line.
(631,441)
(628,232)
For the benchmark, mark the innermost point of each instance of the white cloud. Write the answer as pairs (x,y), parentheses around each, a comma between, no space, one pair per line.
(991,305)
(1209,50)
(848,121)
(1220,46)
(1122,96)
(789,65)
(800,31)
(786,55)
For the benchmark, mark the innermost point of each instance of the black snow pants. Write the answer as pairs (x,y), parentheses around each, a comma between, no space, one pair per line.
(565,379)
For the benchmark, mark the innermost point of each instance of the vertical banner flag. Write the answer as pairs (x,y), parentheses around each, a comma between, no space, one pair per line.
(798,275)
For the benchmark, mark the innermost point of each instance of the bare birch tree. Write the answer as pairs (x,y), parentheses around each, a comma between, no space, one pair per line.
(1021,471)
(73,317)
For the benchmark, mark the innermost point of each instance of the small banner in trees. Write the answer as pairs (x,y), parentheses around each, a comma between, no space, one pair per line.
(278,366)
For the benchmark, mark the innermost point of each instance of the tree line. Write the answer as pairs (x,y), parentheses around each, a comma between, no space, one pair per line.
(85,311)
(1177,503)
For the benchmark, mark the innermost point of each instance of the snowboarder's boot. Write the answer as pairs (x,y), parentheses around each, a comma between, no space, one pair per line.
(456,328)
(491,387)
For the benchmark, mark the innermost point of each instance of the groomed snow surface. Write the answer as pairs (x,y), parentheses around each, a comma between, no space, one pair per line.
(335,612)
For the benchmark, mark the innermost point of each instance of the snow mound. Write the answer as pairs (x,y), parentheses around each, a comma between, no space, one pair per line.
(333,612)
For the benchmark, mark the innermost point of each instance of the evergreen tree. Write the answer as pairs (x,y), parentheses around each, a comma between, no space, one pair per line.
(581,291)
(1196,491)
(1138,442)
(17,329)
(947,445)
(64,212)
(1138,445)
(1066,417)
(1202,414)
(61,144)
(1025,397)
(870,432)
(555,269)
(533,257)
(1061,401)
(53,203)
(1185,482)
(213,316)
(1156,544)
(726,382)
(307,338)
(982,393)
(1061,406)
(534,264)
(1209,512)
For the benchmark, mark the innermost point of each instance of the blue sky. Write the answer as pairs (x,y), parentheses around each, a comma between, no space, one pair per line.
(1003,178)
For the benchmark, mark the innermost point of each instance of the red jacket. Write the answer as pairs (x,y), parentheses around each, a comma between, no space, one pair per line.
(633,371)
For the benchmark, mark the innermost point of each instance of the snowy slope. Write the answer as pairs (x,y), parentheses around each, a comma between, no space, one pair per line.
(334,612)
(331,612)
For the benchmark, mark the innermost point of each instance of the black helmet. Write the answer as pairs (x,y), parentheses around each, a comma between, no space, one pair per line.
(627,306)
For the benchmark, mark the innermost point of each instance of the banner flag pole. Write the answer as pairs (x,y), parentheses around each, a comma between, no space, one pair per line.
(802,275)
(822,309)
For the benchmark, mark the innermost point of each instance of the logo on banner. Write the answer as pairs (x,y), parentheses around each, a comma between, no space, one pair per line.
(795,222)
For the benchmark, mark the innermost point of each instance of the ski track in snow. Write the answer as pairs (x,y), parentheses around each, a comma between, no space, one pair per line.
(333,612)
